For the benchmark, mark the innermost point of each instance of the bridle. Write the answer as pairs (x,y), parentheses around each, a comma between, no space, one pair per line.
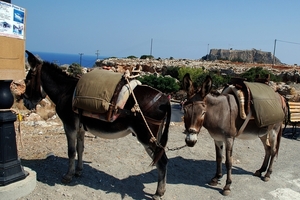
(33,83)
(191,105)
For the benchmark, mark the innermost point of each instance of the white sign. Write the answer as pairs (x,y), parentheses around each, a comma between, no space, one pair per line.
(12,20)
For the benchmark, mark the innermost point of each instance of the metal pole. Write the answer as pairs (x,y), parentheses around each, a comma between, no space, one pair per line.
(80,57)
(274,52)
(97,53)
(151,47)
(207,49)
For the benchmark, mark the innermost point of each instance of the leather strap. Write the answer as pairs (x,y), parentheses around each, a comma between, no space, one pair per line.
(245,123)
(150,103)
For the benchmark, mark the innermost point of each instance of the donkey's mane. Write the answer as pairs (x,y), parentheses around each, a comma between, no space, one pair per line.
(59,73)
(213,99)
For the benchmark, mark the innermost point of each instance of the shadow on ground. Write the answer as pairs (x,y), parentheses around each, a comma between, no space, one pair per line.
(291,133)
(180,171)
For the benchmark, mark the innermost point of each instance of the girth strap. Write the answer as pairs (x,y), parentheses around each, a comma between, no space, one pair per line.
(245,123)
(154,121)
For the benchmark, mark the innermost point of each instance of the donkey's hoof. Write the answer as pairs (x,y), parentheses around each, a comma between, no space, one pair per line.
(257,173)
(226,192)
(66,179)
(213,182)
(266,178)
(78,173)
(156,197)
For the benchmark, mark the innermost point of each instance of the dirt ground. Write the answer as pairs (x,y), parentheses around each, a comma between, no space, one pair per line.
(119,169)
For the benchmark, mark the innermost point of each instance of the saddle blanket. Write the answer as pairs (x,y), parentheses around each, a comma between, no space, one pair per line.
(266,104)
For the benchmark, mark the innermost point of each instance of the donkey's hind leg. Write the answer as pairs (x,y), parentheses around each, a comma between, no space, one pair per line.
(274,140)
(71,139)
(80,149)
(265,163)
(271,145)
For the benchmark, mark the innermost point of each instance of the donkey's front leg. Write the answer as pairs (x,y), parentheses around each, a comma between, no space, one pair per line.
(219,152)
(228,163)
(161,166)
(71,139)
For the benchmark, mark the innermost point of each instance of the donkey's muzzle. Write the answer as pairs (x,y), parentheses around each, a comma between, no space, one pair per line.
(28,104)
(191,139)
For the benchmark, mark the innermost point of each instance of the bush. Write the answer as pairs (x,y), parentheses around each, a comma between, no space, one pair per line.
(164,84)
(131,57)
(171,71)
(198,76)
(75,70)
(147,56)
(195,73)
(252,73)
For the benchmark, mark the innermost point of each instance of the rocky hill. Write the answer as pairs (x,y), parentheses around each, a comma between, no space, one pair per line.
(248,56)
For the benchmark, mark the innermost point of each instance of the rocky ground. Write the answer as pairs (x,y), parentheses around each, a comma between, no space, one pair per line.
(119,169)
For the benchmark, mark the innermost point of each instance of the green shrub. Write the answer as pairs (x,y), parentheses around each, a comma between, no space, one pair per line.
(195,73)
(146,56)
(172,71)
(131,57)
(75,70)
(164,84)
(198,76)
(252,73)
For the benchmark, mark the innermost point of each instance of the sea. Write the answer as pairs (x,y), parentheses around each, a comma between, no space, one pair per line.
(67,59)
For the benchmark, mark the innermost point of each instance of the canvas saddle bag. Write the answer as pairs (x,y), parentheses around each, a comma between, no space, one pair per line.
(259,99)
(101,94)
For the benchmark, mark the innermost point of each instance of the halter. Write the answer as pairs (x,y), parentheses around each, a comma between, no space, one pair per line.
(192,104)
(35,83)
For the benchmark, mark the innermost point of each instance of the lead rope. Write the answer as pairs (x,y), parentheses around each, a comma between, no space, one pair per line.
(136,108)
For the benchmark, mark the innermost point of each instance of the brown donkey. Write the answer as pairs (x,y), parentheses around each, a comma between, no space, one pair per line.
(47,78)
(220,116)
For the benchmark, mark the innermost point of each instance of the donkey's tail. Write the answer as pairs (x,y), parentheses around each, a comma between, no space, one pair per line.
(279,135)
(165,135)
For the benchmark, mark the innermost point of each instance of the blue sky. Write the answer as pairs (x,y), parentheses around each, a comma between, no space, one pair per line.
(179,29)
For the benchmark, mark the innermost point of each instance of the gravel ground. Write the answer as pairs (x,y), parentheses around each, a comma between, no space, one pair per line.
(119,169)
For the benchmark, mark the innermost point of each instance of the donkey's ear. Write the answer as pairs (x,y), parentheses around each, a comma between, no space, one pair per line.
(206,86)
(188,85)
(32,60)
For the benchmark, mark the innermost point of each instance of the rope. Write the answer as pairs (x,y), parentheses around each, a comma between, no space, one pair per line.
(177,148)
(136,108)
